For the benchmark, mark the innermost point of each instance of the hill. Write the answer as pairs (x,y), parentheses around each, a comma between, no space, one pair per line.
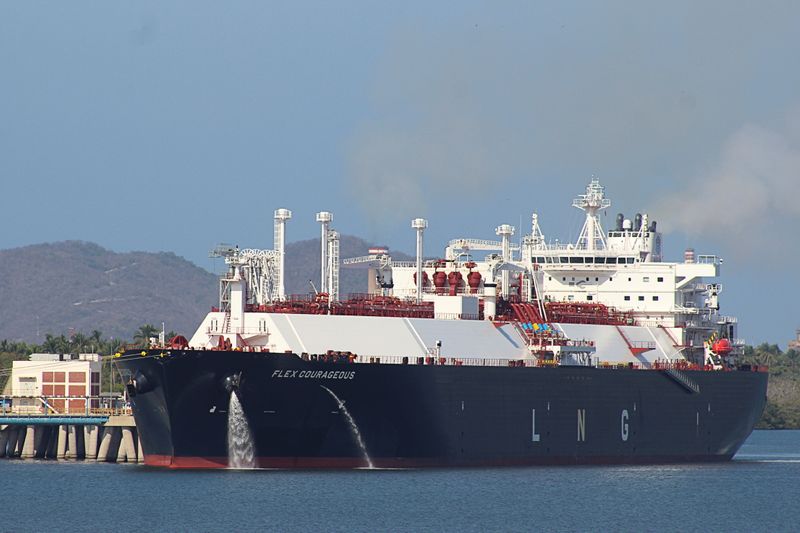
(80,286)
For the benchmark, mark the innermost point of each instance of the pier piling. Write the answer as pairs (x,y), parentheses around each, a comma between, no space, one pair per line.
(27,444)
(62,442)
(72,443)
(128,444)
(3,442)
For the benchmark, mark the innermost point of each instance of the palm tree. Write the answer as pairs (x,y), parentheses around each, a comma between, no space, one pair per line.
(143,334)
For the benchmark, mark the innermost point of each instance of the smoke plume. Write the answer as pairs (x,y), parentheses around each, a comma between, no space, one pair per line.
(748,199)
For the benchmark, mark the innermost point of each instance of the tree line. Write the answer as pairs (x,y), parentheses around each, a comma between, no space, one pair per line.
(73,344)
(783,395)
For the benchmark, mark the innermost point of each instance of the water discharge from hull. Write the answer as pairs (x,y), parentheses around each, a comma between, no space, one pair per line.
(241,448)
(353,427)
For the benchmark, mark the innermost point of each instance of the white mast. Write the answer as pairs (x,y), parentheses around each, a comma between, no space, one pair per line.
(333,265)
(592,202)
(537,237)
(324,218)
(419,224)
(281,216)
(505,231)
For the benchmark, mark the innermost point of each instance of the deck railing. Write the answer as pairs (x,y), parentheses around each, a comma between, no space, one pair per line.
(52,405)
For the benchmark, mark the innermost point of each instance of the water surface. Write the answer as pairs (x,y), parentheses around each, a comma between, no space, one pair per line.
(758,491)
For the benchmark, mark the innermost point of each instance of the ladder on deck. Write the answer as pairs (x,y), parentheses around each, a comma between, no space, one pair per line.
(636,347)
(683,379)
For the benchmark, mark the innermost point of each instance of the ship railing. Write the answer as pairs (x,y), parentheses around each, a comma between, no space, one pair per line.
(456,316)
(708,259)
(435,360)
(651,323)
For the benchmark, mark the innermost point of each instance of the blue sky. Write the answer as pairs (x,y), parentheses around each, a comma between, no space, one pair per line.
(178,125)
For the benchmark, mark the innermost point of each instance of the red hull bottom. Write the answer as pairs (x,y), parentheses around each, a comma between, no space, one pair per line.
(168,461)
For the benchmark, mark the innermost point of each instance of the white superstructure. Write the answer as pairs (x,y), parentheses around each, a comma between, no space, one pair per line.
(610,290)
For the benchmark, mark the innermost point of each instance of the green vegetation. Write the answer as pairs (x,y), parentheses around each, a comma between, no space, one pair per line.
(94,342)
(783,394)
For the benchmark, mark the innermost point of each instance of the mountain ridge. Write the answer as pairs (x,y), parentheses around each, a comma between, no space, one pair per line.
(70,286)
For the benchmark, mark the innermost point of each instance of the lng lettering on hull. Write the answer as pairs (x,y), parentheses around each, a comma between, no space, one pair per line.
(501,352)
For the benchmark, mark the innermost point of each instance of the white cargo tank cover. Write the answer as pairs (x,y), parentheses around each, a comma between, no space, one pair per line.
(389,336)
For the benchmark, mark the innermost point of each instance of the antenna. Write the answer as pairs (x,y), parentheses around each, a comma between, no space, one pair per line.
(593,201)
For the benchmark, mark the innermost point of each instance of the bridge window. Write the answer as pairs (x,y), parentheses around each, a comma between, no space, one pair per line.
(576,259)
(621,260)
(630,260)
(563,259)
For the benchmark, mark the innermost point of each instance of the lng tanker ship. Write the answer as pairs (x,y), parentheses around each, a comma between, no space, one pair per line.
(498,353)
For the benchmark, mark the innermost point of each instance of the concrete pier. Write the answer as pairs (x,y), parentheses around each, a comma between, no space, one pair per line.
(113,439)
(3,442)
(20,440)
(11,445)
(105,444)
(90,441)
(122,450)
(62,442)
(52,443)
(72,443)
(27,444)
(128,444)
(41,435)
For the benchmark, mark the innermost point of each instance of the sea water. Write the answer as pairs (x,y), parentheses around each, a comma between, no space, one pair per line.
(758,491)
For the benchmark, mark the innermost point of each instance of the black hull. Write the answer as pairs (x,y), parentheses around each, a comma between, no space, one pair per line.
(437,416)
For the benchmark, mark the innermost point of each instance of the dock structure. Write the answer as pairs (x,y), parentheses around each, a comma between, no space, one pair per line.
(93,434)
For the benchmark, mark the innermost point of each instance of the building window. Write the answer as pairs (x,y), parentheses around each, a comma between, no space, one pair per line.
(659,280)
(627,298)
(641,298)
(655,298)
